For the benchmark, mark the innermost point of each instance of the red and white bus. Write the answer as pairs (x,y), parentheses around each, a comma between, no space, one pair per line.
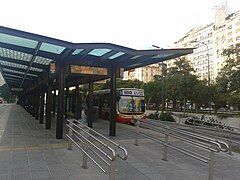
(130,104)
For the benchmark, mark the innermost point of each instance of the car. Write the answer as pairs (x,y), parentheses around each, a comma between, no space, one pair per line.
(222,110)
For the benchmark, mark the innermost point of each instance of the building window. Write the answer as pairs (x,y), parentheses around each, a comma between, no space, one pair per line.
(230,40)
(238,38)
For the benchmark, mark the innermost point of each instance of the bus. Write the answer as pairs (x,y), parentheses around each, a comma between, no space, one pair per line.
(130,104)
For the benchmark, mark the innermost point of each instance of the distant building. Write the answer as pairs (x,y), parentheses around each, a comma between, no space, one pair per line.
(210,40)
(144,74)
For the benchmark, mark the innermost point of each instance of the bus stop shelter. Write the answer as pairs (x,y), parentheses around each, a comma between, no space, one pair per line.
(33,65)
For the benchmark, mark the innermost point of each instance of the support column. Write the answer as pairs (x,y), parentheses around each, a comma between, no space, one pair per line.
(42,93)
(90,105)
(78,108)
(49,105)
(54,103)
(37,106)
(60,110)
(112,114)
(81,107)
(66,100)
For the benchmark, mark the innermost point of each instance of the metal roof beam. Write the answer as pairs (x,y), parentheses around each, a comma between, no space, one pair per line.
(26,63)
(17,74)
(31,61)
(29,51)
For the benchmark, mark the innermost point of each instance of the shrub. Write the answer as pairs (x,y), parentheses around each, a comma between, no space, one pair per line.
(167,116)
(154,115)
(69,115)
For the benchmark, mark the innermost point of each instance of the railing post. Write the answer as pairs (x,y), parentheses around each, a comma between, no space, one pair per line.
(112,172)
(229,143)
(85,148)
(194,125)
(70,133)
(211,166)
(165,150)
(137,132)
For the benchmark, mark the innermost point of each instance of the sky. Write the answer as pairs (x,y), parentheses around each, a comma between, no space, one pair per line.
(137,24)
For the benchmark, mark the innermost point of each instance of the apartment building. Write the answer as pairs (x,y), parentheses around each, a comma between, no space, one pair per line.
(144,74)
(209,41)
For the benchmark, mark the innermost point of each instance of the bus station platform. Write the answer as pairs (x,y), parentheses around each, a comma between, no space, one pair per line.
(29,151)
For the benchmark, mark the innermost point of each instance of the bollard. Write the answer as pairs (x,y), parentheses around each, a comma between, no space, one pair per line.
(85,148)
(137,132)
(211,166)
(165,150)
(112,172)
(70,133)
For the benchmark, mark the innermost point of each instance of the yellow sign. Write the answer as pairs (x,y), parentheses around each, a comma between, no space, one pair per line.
(88,70)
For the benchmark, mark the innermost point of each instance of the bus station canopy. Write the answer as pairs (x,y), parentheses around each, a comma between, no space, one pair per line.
(24,56)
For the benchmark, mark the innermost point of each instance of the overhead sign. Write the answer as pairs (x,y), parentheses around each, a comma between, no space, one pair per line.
(16,89)
(76,69)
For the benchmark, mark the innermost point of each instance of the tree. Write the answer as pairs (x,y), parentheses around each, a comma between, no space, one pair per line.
(228,80)
(180,81)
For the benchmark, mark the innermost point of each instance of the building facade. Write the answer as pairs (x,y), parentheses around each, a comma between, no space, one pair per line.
(209,42)
(144,74)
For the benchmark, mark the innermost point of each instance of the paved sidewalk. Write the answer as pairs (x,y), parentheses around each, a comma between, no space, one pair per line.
(28,151)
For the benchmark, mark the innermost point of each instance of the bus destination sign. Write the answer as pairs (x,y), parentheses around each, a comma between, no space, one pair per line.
(132,92)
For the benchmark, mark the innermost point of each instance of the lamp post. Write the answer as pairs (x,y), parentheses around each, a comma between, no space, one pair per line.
(208,69)
(162,81)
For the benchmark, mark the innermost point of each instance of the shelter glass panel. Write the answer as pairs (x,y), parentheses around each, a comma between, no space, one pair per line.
(116,55)
(77,51)
(12,71)
(18,41)
(42,60)
(8,53)
(11,64)
(162,56)
(35,69)
(11,75)
(135,57)
(51,48)
(99,52)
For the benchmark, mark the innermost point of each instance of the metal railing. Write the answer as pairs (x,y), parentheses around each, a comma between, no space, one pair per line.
(102,151)
(226,134)
(202,142)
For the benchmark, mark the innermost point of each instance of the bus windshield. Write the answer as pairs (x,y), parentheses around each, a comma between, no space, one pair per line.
(131,105)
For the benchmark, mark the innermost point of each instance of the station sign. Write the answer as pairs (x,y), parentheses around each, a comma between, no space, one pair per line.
(132,92)
(77,69)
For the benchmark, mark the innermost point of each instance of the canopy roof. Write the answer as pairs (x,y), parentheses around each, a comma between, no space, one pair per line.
(25,56)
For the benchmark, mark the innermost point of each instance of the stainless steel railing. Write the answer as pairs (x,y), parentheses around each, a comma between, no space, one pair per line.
(225,134)
(101,150)
(202,142)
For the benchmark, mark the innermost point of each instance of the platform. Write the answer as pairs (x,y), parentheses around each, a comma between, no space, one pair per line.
(28,151)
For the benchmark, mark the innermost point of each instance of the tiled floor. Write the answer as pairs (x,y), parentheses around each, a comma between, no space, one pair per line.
(28,151)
